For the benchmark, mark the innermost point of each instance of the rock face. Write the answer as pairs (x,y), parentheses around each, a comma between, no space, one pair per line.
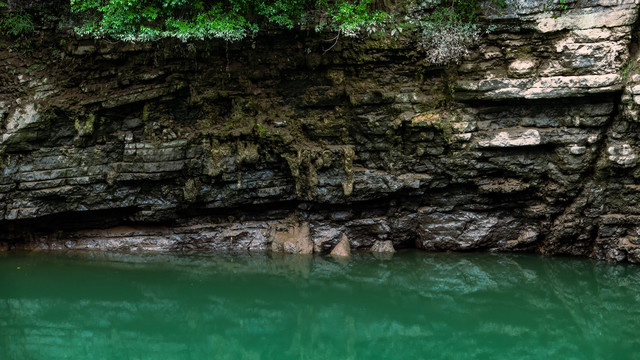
(528,144)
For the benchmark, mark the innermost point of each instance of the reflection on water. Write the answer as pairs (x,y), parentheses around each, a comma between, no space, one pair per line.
(414,306)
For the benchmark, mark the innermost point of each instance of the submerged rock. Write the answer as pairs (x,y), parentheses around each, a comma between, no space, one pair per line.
(383,247)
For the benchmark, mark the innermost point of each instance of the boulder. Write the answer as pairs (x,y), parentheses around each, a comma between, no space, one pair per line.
(342,249)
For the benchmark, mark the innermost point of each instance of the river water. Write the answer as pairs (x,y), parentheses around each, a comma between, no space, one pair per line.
(415,305)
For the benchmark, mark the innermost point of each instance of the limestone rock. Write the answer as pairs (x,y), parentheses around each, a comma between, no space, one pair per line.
(538,88)
(342,249)
(622,154)
(522,68)
(513,139)
(296,240)
(385,246)
(22,126)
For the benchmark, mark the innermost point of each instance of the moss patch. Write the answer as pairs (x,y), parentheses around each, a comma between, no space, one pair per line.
(84,124)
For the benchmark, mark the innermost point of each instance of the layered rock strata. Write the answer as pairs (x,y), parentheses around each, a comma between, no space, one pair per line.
(528,144)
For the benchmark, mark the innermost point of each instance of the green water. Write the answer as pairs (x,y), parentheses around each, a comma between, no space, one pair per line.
(414,306)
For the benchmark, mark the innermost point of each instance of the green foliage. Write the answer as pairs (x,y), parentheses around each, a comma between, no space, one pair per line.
(563,5)
(15,23)
(559,7)
(446,28)
(141,20)
(629,68)
(351,18)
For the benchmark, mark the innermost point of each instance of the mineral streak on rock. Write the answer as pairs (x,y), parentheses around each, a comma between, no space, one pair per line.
(530,143)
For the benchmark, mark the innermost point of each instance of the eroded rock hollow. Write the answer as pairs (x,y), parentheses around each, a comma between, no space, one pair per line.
(530,143)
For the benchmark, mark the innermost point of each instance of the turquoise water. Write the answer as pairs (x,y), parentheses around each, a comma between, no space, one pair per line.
(414,306)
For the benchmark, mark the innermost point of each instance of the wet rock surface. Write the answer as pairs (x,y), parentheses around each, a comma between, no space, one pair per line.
(529,144)
(383,247)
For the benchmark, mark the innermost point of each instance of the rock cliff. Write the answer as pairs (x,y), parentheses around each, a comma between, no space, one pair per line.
(530,143)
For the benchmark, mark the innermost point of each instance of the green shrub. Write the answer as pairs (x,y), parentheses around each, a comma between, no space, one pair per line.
(447,28)
(141,20)
(446,38)
(17,24)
